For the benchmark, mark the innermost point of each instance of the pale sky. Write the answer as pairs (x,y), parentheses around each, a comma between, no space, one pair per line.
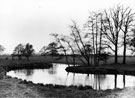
(31,21)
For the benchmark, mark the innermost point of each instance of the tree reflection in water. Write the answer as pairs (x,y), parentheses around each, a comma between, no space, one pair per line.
(27,72)
(58,75)
(87,79)
(66,78)
(73,82)
(52,70)
(99,82)
(115,81)
(124,81)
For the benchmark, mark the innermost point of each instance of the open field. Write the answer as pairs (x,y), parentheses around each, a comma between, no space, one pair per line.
(16,88)
(62,59)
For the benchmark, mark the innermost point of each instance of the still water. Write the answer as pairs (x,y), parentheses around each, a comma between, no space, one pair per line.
(58,75)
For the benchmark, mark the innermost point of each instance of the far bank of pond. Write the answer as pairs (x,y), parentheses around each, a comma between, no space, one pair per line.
(110,69)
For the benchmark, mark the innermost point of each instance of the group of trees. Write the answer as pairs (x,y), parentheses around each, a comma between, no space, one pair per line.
(111,29)
(103,33)
(23,50)
(51,49)
(20,51)
(105,30)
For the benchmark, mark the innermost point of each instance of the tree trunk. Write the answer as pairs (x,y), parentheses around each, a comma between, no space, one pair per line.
(88,61)
(100,42)
(124,50)
(116,54)
(124,53)
(116,47)
(93,46)
(96,56)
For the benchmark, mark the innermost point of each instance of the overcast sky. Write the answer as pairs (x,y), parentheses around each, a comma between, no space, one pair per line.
(31,21)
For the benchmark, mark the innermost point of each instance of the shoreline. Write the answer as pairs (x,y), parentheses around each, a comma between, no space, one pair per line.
(17,88)
(108,69)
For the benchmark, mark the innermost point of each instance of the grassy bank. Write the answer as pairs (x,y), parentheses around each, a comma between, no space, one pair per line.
(107,69)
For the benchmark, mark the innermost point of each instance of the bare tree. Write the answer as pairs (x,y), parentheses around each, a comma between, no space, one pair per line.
(68,40)
(81,45)
(112,26)
(61,46)
(94,27)
(126,28)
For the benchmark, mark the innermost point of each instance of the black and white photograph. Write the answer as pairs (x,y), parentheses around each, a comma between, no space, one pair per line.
(67,48)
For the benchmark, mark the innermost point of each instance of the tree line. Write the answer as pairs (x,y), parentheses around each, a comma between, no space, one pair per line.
(23,50)
(103,33)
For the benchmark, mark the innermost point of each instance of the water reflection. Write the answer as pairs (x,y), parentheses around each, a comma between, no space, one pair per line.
(124,80)
(52,70)
(58,75)
(27,72)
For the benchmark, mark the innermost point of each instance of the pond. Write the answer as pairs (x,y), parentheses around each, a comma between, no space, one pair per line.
(58,75)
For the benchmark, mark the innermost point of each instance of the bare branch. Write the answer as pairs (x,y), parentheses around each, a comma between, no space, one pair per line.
(109,47)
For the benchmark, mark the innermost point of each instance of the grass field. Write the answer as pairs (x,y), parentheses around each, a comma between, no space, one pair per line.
(60,59)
